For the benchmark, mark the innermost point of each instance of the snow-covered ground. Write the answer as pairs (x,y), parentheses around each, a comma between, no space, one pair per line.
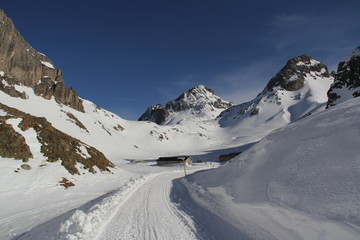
(136,205)
(299,182)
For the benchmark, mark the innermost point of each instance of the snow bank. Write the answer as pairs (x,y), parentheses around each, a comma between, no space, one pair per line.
(307,170)
(86,224)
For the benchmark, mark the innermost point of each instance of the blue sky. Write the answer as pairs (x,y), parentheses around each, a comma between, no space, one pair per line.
(127,55)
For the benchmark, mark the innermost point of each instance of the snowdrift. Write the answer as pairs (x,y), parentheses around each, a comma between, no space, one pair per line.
(299,182)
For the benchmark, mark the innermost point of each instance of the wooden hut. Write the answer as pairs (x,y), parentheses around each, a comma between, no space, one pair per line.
(174,160)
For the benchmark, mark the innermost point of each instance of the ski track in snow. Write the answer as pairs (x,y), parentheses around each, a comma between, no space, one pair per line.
(140,209)
(150,214)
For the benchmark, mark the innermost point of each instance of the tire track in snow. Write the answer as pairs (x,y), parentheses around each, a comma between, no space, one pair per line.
(149,214)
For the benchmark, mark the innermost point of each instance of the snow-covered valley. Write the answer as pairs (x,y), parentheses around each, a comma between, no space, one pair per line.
(283,165)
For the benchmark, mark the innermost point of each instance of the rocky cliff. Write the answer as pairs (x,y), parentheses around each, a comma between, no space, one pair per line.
(347,83)
(292,76)
(20,64)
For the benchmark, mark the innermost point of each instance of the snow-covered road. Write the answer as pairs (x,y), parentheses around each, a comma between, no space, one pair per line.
(149,214)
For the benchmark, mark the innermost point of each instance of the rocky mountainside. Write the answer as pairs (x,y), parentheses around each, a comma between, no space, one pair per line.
(298,89)
(347,83)
(20,64)
(26,76)
(199,102)
(19,129)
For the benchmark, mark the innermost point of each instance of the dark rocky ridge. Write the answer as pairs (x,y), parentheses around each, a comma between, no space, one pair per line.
(23,65)
(187,100)
(291,76)
(348,77)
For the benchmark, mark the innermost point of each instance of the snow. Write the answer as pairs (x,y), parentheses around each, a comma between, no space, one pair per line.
(84,152)
(5,83)
(268,192)
(2,74)
(3,113)
(313,62)
(299,182)
(48,64)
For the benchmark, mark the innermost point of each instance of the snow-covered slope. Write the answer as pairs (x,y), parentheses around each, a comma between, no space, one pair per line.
(299,182)
(347,84)
(298,90)
(197,104)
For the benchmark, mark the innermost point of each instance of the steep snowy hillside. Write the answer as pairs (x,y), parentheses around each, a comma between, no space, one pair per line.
(200,103)
(296,91)
(347,84)
(299,182)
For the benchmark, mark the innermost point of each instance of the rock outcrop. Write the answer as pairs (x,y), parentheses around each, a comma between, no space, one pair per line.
(20,64)
(291,76)
(347,82)
(199,102)
(55,145)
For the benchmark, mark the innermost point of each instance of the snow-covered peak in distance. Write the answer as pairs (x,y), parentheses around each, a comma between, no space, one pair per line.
(297,90)
(199,102)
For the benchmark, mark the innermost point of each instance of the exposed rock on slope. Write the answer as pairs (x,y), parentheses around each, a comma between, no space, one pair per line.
(20,64)
(347,83)
(55,145)
(199,101)
(292,76)
(295,91)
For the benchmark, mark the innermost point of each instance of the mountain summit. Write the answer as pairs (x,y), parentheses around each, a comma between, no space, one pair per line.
(200,102)
(297,90)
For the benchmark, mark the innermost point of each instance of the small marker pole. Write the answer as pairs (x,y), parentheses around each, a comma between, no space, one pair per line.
(185,167)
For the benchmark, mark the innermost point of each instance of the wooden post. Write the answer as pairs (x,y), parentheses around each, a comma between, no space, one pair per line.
(185,167)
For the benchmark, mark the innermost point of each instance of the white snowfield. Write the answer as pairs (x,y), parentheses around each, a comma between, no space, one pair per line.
(299,182)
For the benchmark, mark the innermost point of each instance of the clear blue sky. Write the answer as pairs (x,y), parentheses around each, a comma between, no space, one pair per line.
(127,55)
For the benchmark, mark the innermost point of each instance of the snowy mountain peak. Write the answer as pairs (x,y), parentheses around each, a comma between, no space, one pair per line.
(292,76)
(196,102)
(297,90)
(347,83)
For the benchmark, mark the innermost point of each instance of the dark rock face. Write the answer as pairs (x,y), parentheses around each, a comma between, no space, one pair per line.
(291,76)
(196,99)
(23,65)
(13,144)
(156,113)
(347,81)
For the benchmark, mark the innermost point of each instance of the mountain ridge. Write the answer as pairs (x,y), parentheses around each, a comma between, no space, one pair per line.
(200,101)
